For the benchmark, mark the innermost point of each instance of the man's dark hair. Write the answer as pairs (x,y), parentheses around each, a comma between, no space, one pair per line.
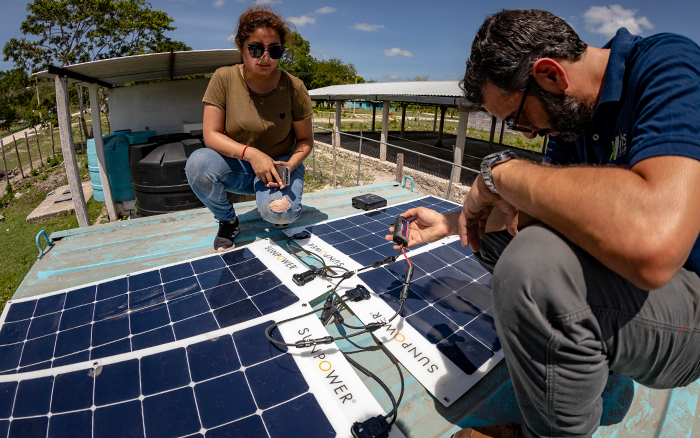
(509,43)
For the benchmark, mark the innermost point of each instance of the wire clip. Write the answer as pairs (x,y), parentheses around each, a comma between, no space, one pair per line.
(359,293)
(375,427)
(304,277)
(304,343)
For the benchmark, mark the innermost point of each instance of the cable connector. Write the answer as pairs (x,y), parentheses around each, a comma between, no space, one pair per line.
(347,274)
(336,314)
(375,427)
(386,261)
(304,343)
(301,235)
(304,277)
(327,310)
(404,292)
(374,326)
(359,293)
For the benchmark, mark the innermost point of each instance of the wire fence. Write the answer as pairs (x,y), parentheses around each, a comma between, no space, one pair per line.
(366,146)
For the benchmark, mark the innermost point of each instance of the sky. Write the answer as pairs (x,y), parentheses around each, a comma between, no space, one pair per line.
(394,40)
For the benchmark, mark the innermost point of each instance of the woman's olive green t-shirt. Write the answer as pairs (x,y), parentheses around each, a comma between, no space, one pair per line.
(263,121)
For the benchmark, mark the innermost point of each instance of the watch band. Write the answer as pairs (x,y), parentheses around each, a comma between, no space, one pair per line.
(488,162)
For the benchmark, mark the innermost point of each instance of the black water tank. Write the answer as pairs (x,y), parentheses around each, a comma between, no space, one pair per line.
(158,174)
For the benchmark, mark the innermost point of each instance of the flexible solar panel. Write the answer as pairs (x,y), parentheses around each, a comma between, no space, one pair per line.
(141,310)
(232,383)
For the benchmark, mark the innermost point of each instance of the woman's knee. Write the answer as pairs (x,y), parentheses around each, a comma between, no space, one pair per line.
(280,211)
(199,165)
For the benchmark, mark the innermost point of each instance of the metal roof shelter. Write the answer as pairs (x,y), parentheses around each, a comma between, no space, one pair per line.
(440,93)
(109,73)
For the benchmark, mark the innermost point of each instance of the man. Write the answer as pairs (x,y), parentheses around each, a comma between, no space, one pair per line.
(605,277)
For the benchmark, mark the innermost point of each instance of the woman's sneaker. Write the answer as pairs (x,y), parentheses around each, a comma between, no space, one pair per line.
(224,238)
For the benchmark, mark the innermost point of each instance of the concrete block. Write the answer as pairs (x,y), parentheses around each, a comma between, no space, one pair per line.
(49,209)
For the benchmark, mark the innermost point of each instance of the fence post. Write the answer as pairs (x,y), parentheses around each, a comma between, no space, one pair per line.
(53,147)
(384,137)
(18,160)
(4,162)
(359,157)
(399,167)
(26,140)
(449,185)
(38,146)
(503,127)
(493,132)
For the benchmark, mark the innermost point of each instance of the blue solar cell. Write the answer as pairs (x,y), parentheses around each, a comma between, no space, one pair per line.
(249,427)
(430,289)
(146,297)
(259,282)
(413,303)
(465,351)
(458,309)
(111,307)
(38,350)
(9,356)
(215,278)
(433,325)
(33,397)
(248,268)
(112,288)
(478,295)
(19,311)
(373,240)
(109,330)
(5,427)
(320,230)
(236,257)
(447,254)
(7,398)
(118,347)
(275,381)
(176,272)
(72,391)
(152,338)
(359,219)
(14,332)
(367,257)
(341,224)
(181,288)
(457,246)
(399,270)
(376,227)
(237,312)
(144,280)
(77,316)
(212,358)
(164,371)
(254,347)
(35,367)
(427,262)
(29,427)
(188,306)
(386,250)
(284,420)
(274,299)
(224,399)
(452,278)
(171,414)
(350,247)
(195,326)
(483,328)
(355,232)
(380,280)
(471,268)
(71,341)
(72,358)
(223,295)
(486,280)
(73,425)
(51,304)
(117,383)
(149,318)
(336,238)
(80,297)
(119,421)
(395,211)
(207,264)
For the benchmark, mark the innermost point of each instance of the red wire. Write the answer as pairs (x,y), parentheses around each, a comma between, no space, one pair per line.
(404,254)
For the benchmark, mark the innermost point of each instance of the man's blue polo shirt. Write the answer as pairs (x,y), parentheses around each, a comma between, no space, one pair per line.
(649,106)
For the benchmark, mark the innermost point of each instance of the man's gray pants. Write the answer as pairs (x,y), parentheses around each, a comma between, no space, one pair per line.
(565,321)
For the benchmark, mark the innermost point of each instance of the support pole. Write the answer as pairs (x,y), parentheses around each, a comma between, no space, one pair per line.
(66,134)
(443,109)
(4,162)
(53,145)
(399,167)
(100,152)
(374,114)
(29,154)
(503,127)
(459,145)
(493,133)
(79,89)
(38,146)
(435,118)
(385,131)
(18,160)
(403,117)
(336,141)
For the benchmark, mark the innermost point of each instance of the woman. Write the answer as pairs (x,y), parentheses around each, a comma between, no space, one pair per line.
(256,116)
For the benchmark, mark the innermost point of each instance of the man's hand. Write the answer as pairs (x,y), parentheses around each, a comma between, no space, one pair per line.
(476,211)
(428,226)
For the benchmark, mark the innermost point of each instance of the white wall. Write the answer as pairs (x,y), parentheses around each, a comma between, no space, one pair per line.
(161,106)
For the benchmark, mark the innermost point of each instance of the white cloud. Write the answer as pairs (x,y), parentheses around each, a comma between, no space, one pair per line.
(218,3)
(326,10)
(302,20)
(396,51)
(391,77)
(319,55)
(262,2)
(453,73)
(232,38)
(607,20)
(367,27)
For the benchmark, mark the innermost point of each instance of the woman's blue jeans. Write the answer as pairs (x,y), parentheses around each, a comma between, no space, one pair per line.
(211,175)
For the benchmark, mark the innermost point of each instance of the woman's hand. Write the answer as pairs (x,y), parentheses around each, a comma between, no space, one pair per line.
(264,168)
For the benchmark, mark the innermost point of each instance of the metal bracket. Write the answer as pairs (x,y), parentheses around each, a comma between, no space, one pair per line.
(413,183)
(49,243)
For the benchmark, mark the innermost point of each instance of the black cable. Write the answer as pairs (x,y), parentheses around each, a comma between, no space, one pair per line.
(368,373)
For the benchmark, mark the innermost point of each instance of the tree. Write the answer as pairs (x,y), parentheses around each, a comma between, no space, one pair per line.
(67,32)
(15,95)
(419,78)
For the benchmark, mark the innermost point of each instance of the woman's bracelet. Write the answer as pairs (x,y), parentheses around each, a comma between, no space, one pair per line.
(243,154)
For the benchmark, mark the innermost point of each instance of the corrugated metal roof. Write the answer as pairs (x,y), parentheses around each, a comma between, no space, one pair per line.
(151,66)
(435,92)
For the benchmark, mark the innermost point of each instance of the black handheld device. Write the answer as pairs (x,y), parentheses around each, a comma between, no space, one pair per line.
(401,230)
(283,172)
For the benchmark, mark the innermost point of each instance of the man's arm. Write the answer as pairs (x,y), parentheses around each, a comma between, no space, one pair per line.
(640,223)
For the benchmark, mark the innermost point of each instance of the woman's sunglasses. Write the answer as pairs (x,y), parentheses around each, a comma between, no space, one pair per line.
(257,50)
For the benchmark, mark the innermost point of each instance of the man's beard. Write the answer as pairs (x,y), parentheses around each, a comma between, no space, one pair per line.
(566,115)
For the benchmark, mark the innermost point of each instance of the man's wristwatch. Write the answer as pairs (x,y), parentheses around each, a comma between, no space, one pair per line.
(491,160)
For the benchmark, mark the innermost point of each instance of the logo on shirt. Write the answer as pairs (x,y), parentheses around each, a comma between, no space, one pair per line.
(282,115)
(619,146)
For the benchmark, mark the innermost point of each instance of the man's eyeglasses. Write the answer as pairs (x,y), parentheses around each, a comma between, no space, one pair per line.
(513,125)
(257,50)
